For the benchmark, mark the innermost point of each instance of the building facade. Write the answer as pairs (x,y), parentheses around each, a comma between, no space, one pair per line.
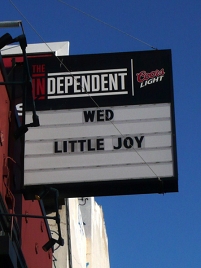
(21,238)
(81,219)
(83,226)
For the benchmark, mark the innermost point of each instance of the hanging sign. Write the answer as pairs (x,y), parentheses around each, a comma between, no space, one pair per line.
(107,125)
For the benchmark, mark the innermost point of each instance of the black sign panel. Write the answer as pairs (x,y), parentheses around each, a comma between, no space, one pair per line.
(102,80)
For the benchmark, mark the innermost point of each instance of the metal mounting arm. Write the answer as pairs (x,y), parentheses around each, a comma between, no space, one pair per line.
(52,241)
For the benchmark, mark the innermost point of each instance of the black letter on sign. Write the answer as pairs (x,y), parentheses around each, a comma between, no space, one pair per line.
(109,115)
(119,144)
(65,146)
(89,116)
(100,144)
(128,143)
(56,147)
(81,145)
(90,148)
(72,143)
(100,115)
(139,141)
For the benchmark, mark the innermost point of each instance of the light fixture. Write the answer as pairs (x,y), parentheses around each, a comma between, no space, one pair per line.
(49,244)
(22,40)
(52,242)
(6,39)
(10,24)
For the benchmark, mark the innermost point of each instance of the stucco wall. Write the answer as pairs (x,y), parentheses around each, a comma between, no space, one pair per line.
(96,237)
(89,243)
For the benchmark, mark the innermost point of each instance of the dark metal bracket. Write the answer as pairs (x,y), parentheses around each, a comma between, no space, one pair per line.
(52,241)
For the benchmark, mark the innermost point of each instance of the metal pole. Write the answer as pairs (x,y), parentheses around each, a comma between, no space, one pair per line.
(28,216)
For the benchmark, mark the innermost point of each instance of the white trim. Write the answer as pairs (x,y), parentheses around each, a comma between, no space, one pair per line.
(59,48)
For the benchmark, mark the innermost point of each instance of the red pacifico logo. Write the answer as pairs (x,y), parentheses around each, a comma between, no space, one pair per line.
(145,78)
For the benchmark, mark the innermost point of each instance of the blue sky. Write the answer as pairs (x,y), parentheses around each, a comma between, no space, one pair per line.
(143,230)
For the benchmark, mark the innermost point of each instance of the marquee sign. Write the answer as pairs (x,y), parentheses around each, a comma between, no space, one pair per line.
(107,125)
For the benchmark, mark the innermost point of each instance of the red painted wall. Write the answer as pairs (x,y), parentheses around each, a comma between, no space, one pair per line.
(33,232)
(4,133)
(34,236)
